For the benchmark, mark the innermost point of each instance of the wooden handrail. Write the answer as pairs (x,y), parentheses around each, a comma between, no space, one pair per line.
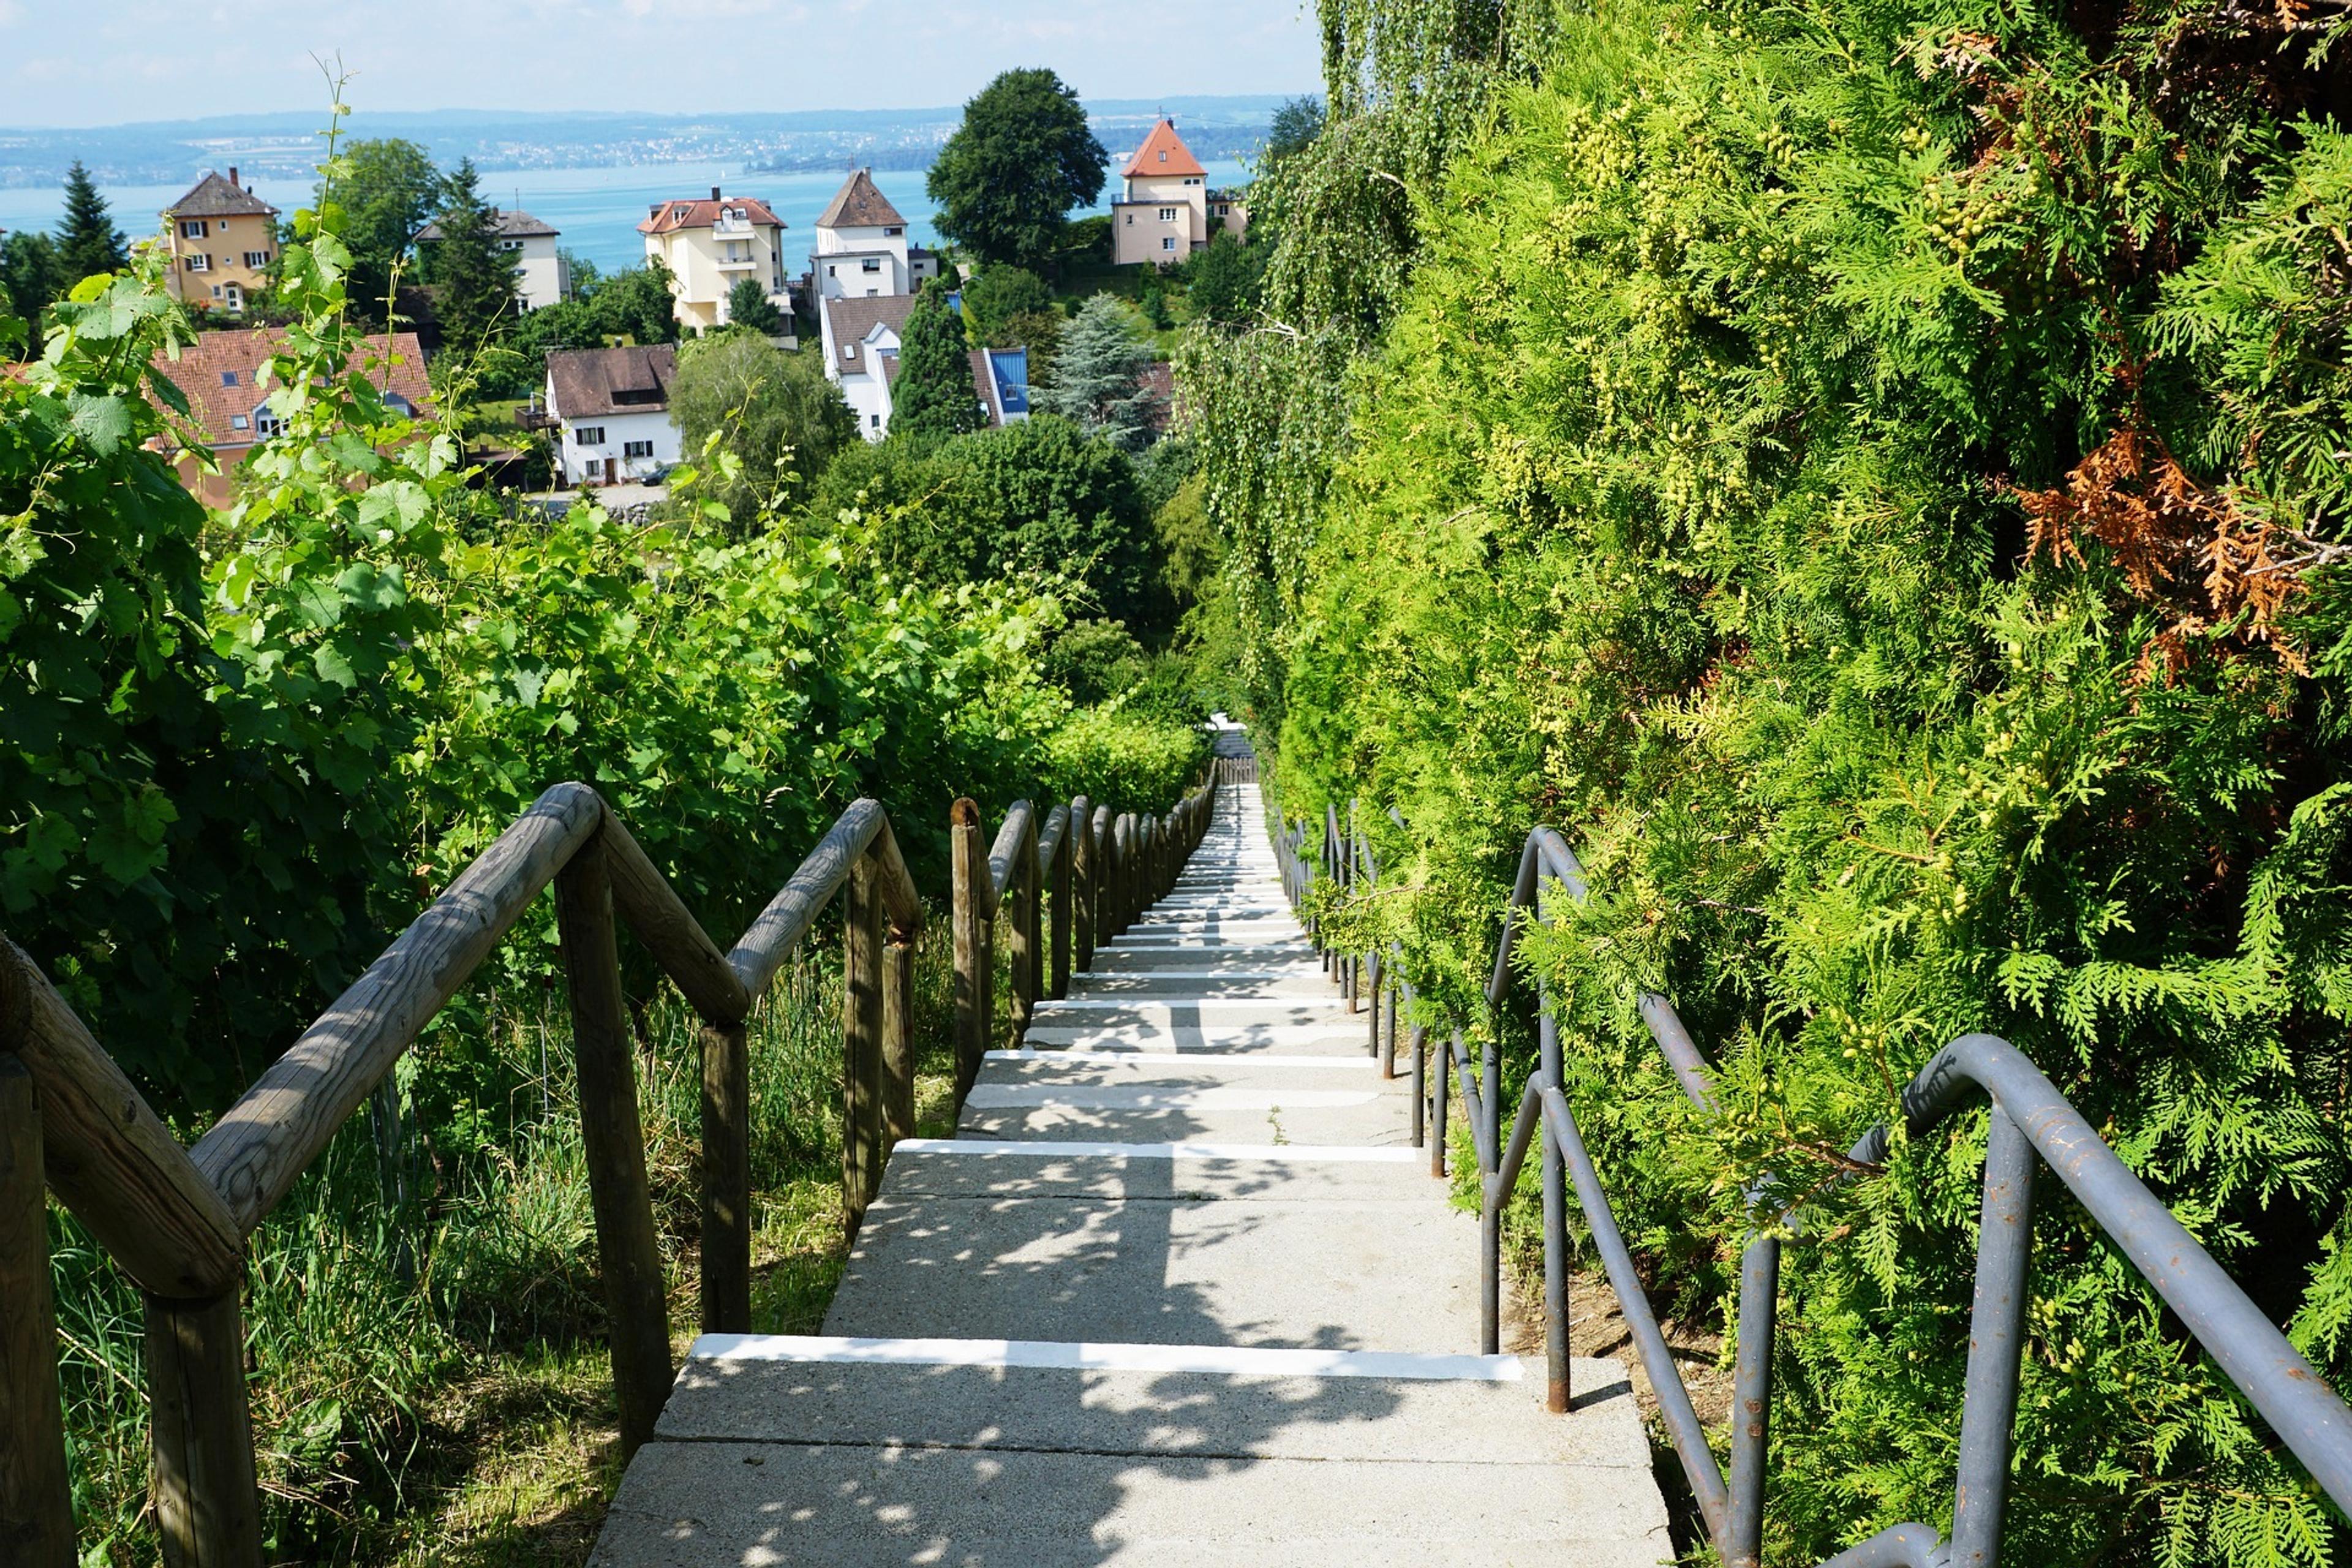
(253,1153)
(109,1158)
(177,1219)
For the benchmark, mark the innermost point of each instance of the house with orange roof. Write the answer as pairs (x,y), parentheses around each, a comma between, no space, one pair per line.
(709,246)
(1168,211)
(225,378)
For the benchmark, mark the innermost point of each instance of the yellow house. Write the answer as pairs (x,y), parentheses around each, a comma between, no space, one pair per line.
(709,246)
(223,239)
(1167,210)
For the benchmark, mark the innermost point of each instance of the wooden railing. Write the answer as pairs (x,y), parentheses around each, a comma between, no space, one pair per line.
(177,1220)
(1084,873)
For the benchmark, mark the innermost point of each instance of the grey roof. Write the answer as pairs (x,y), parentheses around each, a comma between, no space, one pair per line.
(505,224)
(859,204)
(589,384)
(213,196)
(851,320)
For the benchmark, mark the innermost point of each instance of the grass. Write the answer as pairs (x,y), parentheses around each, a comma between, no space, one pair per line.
(429,1378)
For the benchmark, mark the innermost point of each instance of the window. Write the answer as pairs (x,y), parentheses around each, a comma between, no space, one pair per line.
(873,421)
(1224,210)
(228,378)
(1163,154)
(871,293)
(194,228)
(1168,243)
(200,262)
(831,270)
(239,422)
(1167,215)
(587,435)
(871,264)
(637,449)
(1130,220)
(849,351)
(267,424)
(893,232)
(1191,181)
(254,260)
(216,292)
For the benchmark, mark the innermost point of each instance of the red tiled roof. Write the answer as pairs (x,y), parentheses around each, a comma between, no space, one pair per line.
(223,376)
(671,216)
(1163,153)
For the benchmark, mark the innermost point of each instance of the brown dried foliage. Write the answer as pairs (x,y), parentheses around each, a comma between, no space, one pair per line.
(2184,547)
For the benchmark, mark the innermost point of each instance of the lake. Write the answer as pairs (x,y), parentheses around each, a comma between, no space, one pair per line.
(598,209)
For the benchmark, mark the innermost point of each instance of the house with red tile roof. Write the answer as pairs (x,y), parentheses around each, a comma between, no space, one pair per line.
(711,246)
(1168,211)
(225,376)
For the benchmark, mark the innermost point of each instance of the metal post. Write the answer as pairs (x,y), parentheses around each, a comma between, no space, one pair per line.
(1555,1222)
(1751,1403)
(1996,1342)
(1440,1081)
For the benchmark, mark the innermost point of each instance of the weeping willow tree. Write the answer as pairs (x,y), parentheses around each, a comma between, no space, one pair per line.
(1875,475)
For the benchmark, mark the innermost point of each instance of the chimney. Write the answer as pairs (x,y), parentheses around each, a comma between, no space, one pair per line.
(232,174)
(714,193)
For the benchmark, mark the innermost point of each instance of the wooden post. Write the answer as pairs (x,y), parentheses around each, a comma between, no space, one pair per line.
(1081,835)
(1021,931)
(207,1504)
(726,1179)
(1057,893)
(861,1044)
(897,1039)
(613,1138)
(37,1522)
(975,999)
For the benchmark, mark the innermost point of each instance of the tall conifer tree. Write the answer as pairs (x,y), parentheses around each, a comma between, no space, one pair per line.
(88,241)
(933,395)
(478,281)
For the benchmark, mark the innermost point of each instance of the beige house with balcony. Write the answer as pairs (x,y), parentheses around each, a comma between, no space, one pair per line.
(223,239)
(709,246)
(1167,210)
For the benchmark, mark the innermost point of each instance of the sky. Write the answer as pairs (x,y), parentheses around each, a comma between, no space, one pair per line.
(109,62)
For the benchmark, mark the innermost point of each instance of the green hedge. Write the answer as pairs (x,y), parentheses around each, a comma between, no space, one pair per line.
(1856,469)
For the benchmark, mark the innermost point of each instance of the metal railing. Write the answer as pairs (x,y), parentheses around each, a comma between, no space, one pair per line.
(2031,1125)
(177,1220)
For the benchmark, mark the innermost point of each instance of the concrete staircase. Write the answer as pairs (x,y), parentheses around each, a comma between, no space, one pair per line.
(1178,1293)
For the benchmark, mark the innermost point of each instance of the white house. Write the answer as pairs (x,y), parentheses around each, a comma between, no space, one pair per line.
(610,409)
(709,246)
(1168,211)
(541,276)
(861,248)
(860,335)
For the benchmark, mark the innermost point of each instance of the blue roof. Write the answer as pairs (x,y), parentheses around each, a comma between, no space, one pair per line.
(1011,369)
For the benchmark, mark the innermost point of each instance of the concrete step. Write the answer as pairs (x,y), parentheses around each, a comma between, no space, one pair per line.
(1228,1116)
(1265,935)
(1190,1172)
(1112,1398)
(1265,955)
(704,1503)
(1082,1012)
(1195,983)
(1152,930)
(1179,906)
(1319,1273)
(1314,1038)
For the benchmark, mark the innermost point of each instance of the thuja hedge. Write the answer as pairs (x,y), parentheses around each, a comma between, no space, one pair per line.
(1873,476)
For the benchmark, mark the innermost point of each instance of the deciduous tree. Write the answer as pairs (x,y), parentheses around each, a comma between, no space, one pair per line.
(384,191)
(775,415)
(1006,180)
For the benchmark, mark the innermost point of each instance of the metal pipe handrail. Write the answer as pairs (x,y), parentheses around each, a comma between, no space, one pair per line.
(2032,1124)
